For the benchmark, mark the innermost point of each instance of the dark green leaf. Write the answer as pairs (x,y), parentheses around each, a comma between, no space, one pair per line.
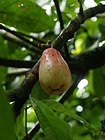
(6,118)
(4,54)
(99,82)
(61,109)
(3,73)
(19,126)
(52,125)
(3,48)
(24,15)
(102,28)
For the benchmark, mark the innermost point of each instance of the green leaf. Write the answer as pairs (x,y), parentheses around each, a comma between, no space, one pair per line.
(61,109)
(19,126)
(71,2)
(6,118)
(4,54)
(3,48)
(97,1)
(51,124)
(24,15)
(90,80)
(3,73)
(99,81)
(102,27)
(38,92)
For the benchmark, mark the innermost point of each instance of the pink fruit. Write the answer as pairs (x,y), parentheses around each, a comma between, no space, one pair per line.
(54,73)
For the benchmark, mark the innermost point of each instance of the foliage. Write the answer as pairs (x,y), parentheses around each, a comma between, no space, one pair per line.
(6,118)
(49,121)
(36,22)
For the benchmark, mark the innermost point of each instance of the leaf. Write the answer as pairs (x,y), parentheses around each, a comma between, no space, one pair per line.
(6,118)
(90,81)
(99,81)
(53,127)
(3,48)
(97,1)
(102,27)
(24,15)
(61,109)
(3,73)
(3,53)
(38,92)
(72,2)
(19,125)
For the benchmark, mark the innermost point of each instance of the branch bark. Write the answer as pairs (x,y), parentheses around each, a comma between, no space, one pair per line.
(87,60)
(16,63)
(21,94)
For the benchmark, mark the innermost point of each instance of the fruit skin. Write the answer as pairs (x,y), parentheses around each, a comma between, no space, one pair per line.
(54,73)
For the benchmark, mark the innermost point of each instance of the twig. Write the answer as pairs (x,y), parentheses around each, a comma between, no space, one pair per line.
(65,96)
(16,34)
(9,36)
(32,132)
(29,44)
(30,36)
(81,8)
(26,120)
(59,14)
(61,25)
(16,73)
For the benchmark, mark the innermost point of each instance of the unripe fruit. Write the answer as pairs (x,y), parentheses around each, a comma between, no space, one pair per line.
(54,73)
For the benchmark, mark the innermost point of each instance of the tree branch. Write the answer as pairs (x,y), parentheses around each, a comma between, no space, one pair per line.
(21,94)
(87,60)
(74,25)
(16,63)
